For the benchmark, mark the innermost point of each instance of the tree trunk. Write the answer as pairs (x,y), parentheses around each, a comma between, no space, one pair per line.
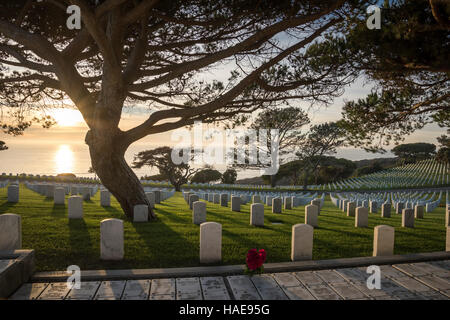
(305,180)
(108,161)
(273,181)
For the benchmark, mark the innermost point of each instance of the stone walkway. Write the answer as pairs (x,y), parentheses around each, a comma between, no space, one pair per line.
(413,281)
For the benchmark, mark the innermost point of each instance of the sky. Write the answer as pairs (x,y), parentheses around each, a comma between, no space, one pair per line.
(61,148)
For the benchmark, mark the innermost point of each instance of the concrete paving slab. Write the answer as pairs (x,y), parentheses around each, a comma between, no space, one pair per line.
(242,288)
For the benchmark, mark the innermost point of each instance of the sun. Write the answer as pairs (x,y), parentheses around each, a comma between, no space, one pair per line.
(67,117)
(64,159)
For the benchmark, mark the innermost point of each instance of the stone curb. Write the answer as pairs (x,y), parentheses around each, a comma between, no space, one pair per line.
(18,272)
(95,275)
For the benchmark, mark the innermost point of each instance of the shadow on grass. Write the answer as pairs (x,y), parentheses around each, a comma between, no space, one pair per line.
(79,237)
(5,206)
(59,210)
(47,199)
(182,218)
(170,247)
(246,242)
(116,213)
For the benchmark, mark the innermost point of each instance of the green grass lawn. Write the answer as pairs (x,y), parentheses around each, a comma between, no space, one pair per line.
(173,241)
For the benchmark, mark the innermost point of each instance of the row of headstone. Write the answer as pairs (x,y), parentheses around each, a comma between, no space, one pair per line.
(399,200)
(58,190)
(290,199)
(112,239)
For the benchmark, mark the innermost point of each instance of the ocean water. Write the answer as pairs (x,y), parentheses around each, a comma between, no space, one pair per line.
(73,156)
(62,150)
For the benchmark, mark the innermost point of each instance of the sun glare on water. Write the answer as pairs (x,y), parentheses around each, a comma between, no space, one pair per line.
(64,159)
(67,117)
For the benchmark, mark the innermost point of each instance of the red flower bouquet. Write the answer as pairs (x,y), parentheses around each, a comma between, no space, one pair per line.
(255,260)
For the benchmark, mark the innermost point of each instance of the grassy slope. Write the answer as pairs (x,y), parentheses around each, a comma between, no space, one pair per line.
(172,241)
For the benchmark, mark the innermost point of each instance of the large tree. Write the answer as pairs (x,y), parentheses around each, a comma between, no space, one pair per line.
(161,158)
(131,52)
(206,175)
(443,154)
(229,176)
(407,62)
(289,122)
(3,146)
(321,140)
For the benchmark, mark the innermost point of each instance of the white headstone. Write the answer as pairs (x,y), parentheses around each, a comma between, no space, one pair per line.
(140,213)
(302,242)
(351,206)
(399,207)
(10,232)
(151,198)
(192,198)
(157,196)
(235,203)
(317,203)
(383,241)
(86,193)
(447,241)
(287,203)
(59,196)
(224,200)
(269,200)
(447,218)
(111,239)
(312,215)
(373,206)
(13,193)
(276,205)
(105,198)
(408,218)
(199,212)
(257,214)
(386,210)
(210,242)
(256,199)
(361,217)
(75,207)
(418,211)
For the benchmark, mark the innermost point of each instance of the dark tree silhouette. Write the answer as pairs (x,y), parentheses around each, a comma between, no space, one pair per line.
(206,175)
(131,52)
(412,152)
(229,176)
(161,158)
(321,140)
(407,60)
(3,146)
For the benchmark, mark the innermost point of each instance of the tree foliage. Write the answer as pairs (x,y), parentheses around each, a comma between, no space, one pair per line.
(156,55)
(321,140)
(3,146)
(331,169)
(288,121)
(161,158)
(206,175)
(412,152)
(407,61)
(443,154)
(229,176)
